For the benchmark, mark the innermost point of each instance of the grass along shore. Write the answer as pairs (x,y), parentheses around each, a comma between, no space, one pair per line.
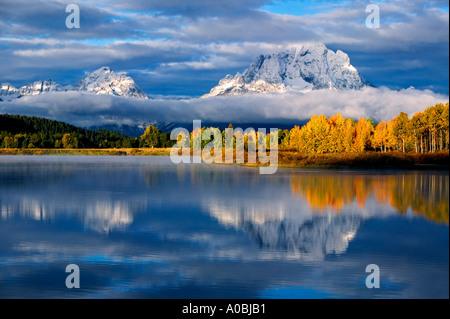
(285,158)
(88,151)
(365,160)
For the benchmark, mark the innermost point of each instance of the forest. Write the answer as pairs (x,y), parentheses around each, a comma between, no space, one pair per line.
(26,132)
(424,132)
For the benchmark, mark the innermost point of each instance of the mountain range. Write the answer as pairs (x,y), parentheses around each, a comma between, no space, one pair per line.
(101,81)
(301,68)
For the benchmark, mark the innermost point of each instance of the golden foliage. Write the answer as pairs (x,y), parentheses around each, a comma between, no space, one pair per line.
(424,132)
(422,194)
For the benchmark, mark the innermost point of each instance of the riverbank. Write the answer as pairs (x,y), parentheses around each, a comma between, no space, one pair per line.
(438,160)
(368,160)
(88,152)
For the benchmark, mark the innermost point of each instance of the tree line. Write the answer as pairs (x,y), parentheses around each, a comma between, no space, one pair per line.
(417,192)
(17,131)
(426,131)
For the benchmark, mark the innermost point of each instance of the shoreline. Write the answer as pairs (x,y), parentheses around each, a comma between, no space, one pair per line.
(286,159)
(87,152)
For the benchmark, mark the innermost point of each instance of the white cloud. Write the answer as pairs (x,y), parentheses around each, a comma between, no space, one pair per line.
(207,39)
(91,110)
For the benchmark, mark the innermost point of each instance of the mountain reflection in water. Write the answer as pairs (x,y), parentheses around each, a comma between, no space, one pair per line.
(149,227)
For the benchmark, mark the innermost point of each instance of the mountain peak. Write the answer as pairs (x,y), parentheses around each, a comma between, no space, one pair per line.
(101,81)
(106,81)
(9,92)
(301,67)
(39,87)
(103,69)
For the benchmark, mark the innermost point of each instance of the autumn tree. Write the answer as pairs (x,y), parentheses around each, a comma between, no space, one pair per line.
(349,134)
(69,141)
(315,135)
(380,137)
(294,138)
(284,137)
(337,137)
(8,142)
(364,135)
(441,124)
(398,131)
(150,138)
(445,126)
(418,130)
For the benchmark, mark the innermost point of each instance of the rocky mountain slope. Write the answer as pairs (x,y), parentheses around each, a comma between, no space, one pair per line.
(101,81)
(302,68)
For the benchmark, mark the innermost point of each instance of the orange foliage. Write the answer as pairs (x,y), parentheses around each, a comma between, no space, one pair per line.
(422,194)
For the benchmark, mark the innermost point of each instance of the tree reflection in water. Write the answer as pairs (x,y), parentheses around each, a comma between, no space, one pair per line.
(425,194)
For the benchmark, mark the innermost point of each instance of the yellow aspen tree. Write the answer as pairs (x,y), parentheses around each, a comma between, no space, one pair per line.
(294,138)
(317,134)
(392,138)
(350,133)
(364,134)
(400,130)
(445,125)
(418,129)
(334,138)
(381,136)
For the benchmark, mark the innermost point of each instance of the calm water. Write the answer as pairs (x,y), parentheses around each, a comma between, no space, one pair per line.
(146,228)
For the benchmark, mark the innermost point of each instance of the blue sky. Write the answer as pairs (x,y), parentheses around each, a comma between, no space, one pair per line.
(184,48)
(300,8)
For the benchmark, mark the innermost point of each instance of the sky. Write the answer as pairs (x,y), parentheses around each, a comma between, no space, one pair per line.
(183,48)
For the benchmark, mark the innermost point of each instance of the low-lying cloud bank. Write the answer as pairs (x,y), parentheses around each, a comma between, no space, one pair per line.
(88,110)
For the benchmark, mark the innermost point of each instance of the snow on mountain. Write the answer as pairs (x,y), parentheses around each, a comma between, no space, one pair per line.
(101,81)
(302,68)
(106,81)
(307,236)
(8,92)
(40,87)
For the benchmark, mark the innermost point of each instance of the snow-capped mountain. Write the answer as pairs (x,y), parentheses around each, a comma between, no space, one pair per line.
(40,87)
(304,236)
(8,92)
(302,68)
(101,81)
(106,81)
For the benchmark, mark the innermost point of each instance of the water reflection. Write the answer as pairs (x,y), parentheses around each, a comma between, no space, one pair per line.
(324,210)
(425,194)
(287,231)
(142,227)
(42,191)
(98,215)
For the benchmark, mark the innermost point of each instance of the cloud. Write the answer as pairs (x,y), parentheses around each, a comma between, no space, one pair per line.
(191,8)
(199,42)
(88,110)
